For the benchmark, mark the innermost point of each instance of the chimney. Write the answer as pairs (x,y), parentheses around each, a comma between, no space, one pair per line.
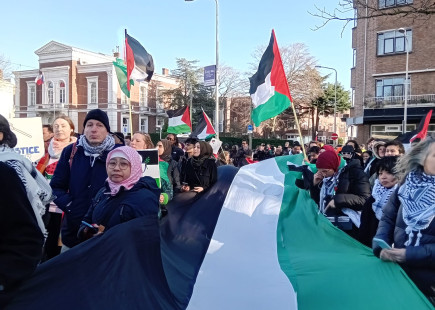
(116,53)
(165,71)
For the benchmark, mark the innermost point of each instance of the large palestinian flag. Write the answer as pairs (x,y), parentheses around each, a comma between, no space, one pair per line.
(179,120)
(204,130)
(140,64)
(269,88)
(252,241)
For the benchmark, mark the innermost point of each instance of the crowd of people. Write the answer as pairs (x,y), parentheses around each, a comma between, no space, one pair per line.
(91,182)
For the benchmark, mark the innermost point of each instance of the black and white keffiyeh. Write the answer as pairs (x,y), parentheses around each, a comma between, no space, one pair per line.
(37,188)
(94,151)
(381,195)
(418,204)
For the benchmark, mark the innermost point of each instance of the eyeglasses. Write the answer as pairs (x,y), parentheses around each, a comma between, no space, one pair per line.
(122,165)
(346,153)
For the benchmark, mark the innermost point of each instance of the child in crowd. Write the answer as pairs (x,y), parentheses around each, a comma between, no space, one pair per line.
(384,186)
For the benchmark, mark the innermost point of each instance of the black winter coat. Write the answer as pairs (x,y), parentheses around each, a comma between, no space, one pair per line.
(75,187)
(353,188)
(203,176)
(420,260)
(21,239)
(142,199)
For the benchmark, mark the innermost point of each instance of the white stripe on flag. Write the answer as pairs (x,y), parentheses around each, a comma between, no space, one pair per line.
(241,268)
(175,121)
(264,92)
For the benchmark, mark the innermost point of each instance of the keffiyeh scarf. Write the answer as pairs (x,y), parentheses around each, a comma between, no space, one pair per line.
(37,188)
(381,195)
(418,206)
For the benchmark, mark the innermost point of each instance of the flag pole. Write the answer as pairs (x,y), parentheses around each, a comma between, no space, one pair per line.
(299,131)
(131,119)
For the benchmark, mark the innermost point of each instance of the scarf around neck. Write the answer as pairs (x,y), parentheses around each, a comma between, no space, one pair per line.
(418,207)
(38,190)
(94,151)
(381,195)
(56,147)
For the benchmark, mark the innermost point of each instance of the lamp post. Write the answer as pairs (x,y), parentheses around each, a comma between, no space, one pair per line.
(217,70)
(405,104)
(335,101)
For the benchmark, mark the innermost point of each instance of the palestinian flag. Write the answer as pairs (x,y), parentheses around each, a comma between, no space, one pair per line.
(251,241)
(140,64)
(121,74)
(179,120)
(39,80)
(204,130)
(269,88)
(419,133)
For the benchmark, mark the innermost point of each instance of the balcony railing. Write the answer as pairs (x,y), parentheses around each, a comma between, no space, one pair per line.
(399,101)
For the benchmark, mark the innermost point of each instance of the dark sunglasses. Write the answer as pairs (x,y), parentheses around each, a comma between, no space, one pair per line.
(346,153)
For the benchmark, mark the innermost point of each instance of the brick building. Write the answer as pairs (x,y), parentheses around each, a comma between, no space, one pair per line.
(378,76)
(76,81)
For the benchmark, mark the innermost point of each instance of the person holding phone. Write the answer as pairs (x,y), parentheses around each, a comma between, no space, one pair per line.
(200,171)
(408,218)
(126,194)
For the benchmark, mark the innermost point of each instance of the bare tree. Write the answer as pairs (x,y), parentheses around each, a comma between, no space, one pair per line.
(5,66)
(344,11)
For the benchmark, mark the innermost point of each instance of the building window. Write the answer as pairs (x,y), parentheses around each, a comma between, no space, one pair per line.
(393,42)
(159,98)
(391,87)
(143,126)
(390,131)
(62,92)
(92,90)
(352,104)
(31,95)
(50,92)
(354,58)
(160,121)
(125,125)
(143,96)
(391,3)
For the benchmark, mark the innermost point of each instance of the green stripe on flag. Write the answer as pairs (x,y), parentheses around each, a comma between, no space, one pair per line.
(274,106)
(327,268)
(121,74)
(179,129)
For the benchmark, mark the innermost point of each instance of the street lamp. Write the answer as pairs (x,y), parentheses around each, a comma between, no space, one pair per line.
(335,101)
(405,105)
(216,124)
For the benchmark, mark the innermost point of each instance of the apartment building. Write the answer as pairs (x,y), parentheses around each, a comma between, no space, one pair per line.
(394,67)
(77,80)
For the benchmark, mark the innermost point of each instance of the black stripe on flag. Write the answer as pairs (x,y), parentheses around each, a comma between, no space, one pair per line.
(264,68)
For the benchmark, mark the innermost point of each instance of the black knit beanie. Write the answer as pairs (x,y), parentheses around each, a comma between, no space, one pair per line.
(98,115)
(9,138)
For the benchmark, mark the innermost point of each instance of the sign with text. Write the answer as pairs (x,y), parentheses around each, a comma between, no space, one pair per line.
(150,163)
(29,135)
(210,75)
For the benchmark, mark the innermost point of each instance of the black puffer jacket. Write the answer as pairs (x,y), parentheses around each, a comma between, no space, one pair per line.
(353,188)
(420,260)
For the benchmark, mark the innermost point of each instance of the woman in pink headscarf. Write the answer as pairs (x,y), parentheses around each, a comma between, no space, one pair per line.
(125,196)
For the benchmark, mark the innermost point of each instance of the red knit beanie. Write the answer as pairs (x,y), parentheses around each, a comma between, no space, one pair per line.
(327,147)
(328,160)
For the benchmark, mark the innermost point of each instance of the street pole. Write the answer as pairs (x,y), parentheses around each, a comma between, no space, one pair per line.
(335,101)
(405,105)
(216,123)
(217,70)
